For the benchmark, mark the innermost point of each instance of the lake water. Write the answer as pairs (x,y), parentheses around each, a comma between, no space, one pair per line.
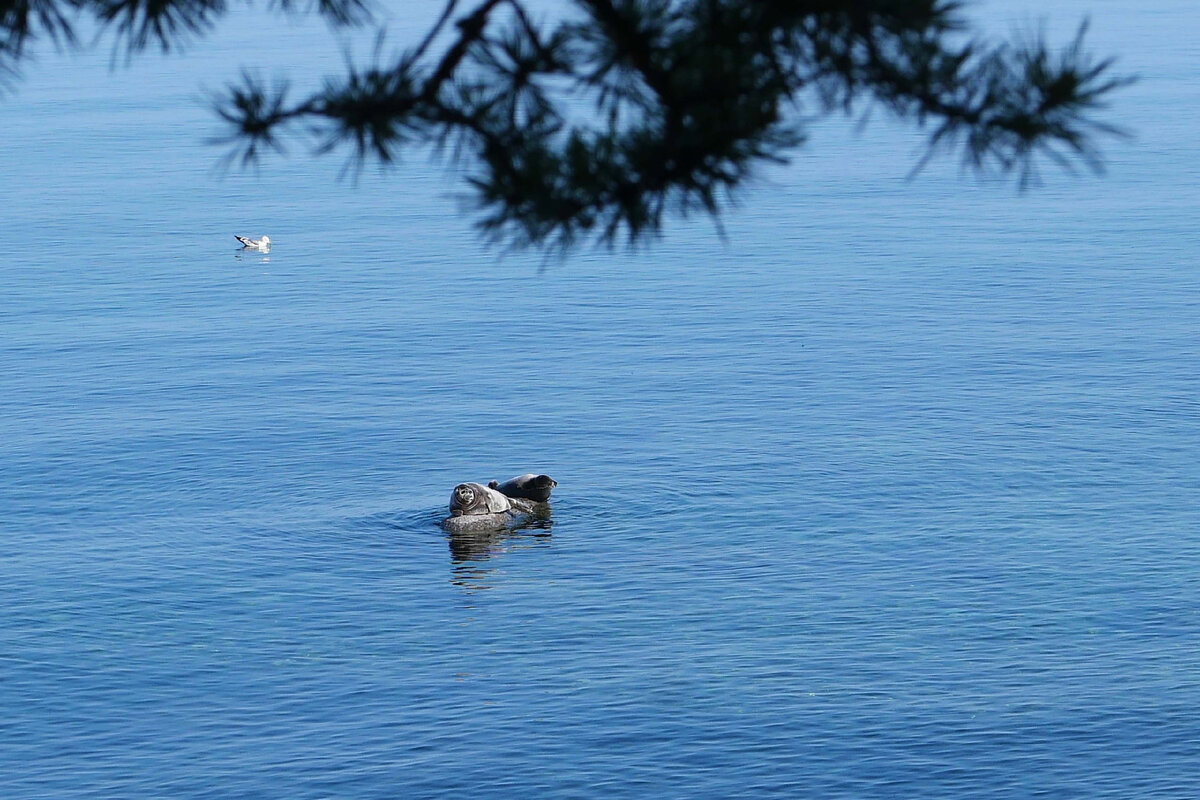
(895,492)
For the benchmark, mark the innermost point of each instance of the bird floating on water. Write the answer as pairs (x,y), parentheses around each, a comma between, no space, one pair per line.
(263,244)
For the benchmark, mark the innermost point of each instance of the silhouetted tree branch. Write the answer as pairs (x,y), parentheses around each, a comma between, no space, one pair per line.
(684,98)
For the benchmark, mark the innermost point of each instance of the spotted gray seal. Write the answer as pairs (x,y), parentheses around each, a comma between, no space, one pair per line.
(528,487)
(469,499)
(475,507)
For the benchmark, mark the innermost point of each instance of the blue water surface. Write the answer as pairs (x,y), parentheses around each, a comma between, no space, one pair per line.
(893,491)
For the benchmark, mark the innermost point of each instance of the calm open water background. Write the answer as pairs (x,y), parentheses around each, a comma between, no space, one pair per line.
(896,493)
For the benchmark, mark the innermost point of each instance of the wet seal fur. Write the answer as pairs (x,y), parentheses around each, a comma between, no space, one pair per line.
(475,507)
(471,498)
(528,486)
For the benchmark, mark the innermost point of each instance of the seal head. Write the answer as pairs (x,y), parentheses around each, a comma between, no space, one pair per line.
(469,499)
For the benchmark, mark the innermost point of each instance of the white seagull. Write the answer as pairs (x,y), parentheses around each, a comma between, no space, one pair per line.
(263,244)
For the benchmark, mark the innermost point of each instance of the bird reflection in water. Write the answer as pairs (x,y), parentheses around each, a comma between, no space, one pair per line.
(471,552)
(252,255)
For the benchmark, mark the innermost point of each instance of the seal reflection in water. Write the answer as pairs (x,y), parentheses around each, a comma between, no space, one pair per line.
(475,507)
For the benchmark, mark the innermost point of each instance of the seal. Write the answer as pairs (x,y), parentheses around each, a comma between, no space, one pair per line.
(469,499)
(474,507)
(528,487)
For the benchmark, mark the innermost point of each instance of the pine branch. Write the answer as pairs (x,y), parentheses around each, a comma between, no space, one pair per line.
(691,97)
